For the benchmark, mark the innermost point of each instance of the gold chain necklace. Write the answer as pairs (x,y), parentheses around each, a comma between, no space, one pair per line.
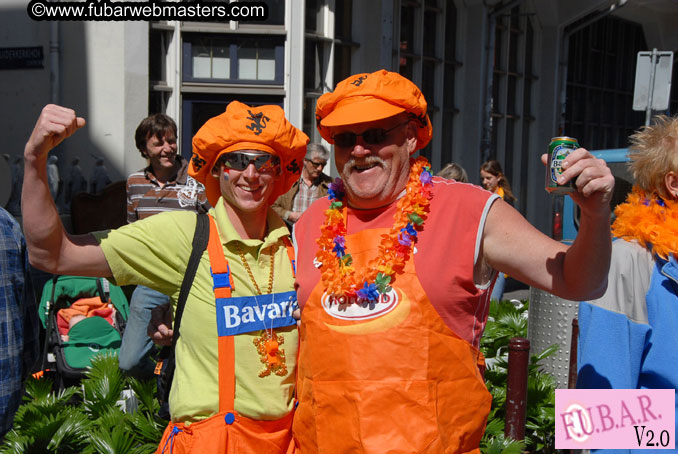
(268,344)
(249,270)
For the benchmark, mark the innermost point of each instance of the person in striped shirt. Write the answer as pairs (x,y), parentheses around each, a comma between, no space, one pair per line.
(311,186)
(164,185)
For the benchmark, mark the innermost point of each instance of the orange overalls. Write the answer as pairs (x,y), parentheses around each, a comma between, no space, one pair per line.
(386,377)
(228,431)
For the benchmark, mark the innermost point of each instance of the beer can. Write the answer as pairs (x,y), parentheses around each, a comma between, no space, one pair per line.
(559,148)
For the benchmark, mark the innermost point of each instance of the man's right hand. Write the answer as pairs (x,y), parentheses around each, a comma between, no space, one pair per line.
(160,327)
(293,216)
(55,124)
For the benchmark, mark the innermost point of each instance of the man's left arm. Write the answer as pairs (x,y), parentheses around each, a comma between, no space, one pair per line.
(579,272)
(283,206)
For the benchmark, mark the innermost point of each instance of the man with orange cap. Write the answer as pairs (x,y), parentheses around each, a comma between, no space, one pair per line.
(395,270)
(233,388)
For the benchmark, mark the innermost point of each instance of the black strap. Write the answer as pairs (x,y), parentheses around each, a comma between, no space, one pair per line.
(48,332)
(200,238)
(103,294)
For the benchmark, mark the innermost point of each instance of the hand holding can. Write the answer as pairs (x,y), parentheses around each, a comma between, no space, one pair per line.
(558,149)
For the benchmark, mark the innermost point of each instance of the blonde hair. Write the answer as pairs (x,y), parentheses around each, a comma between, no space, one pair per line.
(654,153)
(454,171)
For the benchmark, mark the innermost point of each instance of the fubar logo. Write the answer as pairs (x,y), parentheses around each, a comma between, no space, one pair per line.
(615,419)
(357,309)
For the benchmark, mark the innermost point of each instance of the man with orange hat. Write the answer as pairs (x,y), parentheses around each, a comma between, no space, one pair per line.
(395,271)
(233,388)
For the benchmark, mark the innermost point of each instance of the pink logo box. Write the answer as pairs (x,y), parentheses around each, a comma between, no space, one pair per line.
(615,418)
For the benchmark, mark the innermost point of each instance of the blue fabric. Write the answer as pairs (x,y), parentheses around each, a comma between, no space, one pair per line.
(18,319)
(615,352)
(133,357)
(498,289)
(245,314)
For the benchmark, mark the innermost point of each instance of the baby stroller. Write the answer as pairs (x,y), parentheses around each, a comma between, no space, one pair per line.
(82,317)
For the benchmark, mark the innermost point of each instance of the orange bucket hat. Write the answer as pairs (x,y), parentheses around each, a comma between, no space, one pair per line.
(373,96)
(241,127)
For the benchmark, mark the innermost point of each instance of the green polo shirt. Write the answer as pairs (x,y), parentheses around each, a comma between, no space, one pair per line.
(154,252)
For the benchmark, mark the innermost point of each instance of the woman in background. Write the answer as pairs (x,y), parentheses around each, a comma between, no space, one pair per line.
(454,171)
(493,179)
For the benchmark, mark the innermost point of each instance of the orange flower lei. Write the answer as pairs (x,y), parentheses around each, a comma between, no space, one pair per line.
(338,274)
(651,220)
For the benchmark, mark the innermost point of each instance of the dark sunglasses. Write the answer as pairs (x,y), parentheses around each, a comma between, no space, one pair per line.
(371,136)
(316,163)
(263,162)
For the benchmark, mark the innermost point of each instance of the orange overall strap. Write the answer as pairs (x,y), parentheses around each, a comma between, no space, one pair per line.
(223,285)
(290,254)
(293,262)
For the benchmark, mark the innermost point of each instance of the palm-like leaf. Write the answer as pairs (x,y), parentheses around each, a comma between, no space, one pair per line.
(38,388)
(147,427)
(14,443)
(58,422)
(103,385)
(63,432)
(112,416)
(505,322)
(495,427)
(40,402)
(71,431)
(145,391)
(116,441)
(502,445)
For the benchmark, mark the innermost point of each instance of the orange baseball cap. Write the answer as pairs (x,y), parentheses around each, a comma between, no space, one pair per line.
(369,97)
(242,127)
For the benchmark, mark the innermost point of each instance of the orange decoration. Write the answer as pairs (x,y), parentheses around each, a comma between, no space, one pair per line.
(650,220)
(270,353)
(339,277)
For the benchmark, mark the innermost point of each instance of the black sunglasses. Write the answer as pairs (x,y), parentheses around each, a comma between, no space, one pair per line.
(263,162)
(373,136)
(316,163)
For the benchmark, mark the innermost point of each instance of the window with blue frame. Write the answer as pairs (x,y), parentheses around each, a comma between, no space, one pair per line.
(249,59)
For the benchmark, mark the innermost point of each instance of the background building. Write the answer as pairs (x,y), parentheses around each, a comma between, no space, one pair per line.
(501,77)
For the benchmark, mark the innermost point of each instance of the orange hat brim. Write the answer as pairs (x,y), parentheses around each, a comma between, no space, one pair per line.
(360,109)
(212,189)
(239,146)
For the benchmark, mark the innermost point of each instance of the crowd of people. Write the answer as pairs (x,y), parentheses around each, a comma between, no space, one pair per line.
(360,330)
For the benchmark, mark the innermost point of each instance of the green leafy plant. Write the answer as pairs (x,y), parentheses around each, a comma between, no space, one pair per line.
(505,322)
(86,418)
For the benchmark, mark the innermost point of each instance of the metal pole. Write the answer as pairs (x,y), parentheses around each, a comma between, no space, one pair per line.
(516,389)
(653,64)
(54,62)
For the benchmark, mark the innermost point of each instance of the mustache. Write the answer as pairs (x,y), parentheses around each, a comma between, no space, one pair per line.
(369,160)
